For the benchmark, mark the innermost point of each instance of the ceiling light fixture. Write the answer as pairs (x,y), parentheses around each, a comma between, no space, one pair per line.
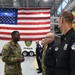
(45,0)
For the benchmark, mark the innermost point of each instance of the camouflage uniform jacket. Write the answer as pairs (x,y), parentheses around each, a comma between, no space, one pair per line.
(10,53)
(43,56)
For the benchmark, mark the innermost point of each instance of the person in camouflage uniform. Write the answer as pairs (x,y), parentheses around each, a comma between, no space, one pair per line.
(11,55)
(43,55)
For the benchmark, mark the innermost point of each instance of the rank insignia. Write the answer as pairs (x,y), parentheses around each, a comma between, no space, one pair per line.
(65,47)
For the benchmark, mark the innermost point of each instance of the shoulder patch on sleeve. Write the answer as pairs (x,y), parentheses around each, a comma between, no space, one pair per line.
(3,51)
(73,46)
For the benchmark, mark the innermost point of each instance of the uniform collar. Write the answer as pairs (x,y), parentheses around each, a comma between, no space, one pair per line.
(50,44)
(13,43)
(37,44)
(64,37)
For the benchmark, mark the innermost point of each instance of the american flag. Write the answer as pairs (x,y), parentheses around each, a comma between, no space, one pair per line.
(32,23)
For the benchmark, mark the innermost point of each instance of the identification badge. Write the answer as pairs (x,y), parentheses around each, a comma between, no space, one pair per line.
(65,47)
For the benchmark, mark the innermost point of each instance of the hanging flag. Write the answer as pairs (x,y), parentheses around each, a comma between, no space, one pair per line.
(32,23)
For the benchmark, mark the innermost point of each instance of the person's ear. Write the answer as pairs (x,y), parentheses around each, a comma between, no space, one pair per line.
(61,20)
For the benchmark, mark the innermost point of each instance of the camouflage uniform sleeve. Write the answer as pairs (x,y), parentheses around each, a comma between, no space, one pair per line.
(20,51)
(6,55)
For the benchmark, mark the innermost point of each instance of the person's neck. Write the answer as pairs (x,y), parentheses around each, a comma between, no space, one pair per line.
(14,41)
(66,28)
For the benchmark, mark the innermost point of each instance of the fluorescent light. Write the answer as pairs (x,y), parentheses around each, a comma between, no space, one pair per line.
(15,0)
(45,0)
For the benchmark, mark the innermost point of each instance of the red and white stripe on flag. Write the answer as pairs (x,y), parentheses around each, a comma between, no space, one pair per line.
(33,24)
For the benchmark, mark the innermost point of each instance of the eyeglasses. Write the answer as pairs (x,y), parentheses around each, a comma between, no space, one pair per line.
(48,37)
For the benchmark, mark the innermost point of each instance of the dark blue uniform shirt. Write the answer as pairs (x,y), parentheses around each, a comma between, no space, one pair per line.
(66,55)
(50,59)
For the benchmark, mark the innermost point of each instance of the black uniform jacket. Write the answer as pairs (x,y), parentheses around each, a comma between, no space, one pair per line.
(38,48)
(50,57)
(66,54)
(41,51)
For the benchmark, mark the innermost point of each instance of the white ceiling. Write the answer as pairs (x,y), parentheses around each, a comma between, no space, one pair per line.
(53,4)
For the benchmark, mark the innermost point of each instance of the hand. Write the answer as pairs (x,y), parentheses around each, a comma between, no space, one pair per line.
(20,59)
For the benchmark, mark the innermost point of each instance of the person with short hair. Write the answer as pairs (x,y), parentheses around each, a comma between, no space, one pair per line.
(50,56)
(38,48)
(43,52)
(65,64)
(11,55)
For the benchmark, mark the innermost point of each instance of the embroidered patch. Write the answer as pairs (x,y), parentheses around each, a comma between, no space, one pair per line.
(73,46)
(3,51)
